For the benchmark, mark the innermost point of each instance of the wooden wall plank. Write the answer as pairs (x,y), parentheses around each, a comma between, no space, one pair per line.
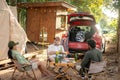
(32,27)
(48,21)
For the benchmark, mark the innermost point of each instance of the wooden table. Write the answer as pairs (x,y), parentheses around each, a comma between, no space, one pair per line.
(63,67)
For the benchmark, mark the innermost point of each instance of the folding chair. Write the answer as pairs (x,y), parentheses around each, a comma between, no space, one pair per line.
(23,69)
(96,68)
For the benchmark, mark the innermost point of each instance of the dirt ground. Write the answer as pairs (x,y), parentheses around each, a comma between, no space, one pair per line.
(112,62)
(110,73)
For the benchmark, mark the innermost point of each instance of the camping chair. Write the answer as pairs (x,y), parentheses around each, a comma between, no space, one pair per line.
(23,69)
(96,68)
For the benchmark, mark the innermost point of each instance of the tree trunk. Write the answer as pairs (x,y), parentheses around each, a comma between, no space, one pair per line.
(118,33)
(118,42)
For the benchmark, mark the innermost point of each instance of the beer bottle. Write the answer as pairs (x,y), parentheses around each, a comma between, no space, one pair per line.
(76,56)
(56,58)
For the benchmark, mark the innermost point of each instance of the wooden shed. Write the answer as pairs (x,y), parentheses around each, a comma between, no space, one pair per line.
(44,18)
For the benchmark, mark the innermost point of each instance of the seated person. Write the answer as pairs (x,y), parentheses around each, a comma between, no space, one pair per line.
(55,47)
(91,55)
(14,54)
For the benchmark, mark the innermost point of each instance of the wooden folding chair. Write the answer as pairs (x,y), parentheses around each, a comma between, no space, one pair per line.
(23,69)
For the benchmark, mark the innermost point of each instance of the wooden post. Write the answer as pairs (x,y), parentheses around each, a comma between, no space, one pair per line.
(118,32)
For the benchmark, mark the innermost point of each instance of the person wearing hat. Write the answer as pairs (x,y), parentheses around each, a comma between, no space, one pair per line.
(54,48)
(15,55)
(93,54)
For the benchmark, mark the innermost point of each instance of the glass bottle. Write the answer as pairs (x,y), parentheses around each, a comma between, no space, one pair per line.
(61,55)
(56,58)
(76,56)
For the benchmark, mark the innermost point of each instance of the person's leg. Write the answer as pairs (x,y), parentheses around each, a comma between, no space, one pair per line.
(82,73)
(42,68)
(44,71)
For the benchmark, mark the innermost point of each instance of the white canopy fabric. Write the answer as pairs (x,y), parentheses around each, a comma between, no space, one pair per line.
(10,29)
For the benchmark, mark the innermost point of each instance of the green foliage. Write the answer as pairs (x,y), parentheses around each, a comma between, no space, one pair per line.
(91,6)
(116,4)
(21,0)
(22,18)
(113,24)
(12,2)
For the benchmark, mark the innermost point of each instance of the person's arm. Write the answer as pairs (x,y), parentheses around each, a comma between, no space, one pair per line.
(62,51)
(86,60)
